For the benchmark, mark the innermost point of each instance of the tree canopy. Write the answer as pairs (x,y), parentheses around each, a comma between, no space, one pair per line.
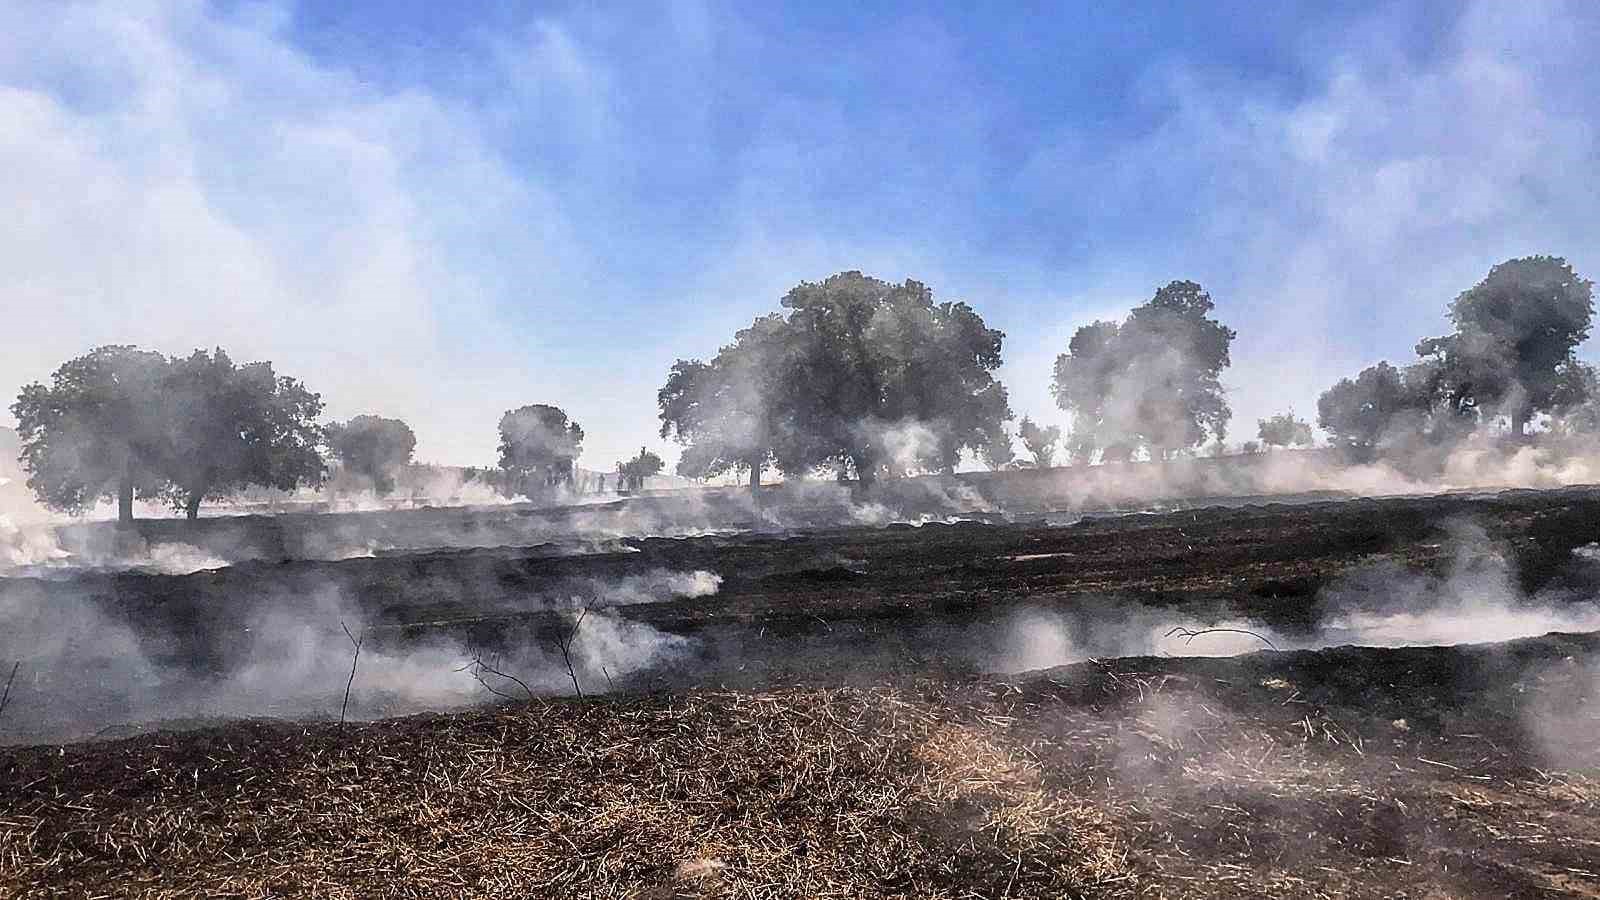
(95,431)
(867,377)
(121,422)
(727,412)
(889,381)
(1284,430)
(373,447)
(631,474)
(1357,414)
(1039,442)
(539,448)
(1512,351)
(234,426)
(1151,382)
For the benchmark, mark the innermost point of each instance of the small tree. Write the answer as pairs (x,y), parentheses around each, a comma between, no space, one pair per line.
(1039,442)
(631,474)
(1284,430)
(95,431)
(539,448)
(373,447)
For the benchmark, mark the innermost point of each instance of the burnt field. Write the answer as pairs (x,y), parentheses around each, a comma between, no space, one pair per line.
(971,706)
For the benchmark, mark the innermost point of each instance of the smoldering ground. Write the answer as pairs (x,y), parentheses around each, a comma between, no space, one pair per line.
(88,669)
(804,605)
(1477,599)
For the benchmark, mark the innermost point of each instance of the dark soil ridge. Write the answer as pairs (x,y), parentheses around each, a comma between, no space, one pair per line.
(1266,562)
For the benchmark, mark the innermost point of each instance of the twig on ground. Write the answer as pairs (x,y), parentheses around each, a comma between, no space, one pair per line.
(354,659)
(1190,634)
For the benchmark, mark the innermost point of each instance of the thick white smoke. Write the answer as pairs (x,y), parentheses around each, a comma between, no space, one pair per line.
(85,671)
(1476,600)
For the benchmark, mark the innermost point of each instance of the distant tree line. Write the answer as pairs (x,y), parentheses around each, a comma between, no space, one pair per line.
(852,376)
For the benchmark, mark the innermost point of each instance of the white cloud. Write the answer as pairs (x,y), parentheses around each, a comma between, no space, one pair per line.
(182,179)
(1334,226)
(178,177)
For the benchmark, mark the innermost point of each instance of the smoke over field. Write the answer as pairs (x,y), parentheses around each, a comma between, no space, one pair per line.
(92,667)
(113,647)
(1474,597)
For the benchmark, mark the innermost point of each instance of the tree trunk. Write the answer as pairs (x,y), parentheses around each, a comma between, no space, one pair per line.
(866,476)
(125,500)
(1519,422)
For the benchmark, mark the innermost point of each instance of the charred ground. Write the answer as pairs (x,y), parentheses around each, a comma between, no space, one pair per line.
(783,590)
(829,731)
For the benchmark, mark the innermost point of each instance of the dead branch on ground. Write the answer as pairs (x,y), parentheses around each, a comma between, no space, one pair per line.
(477,666)
(564,643)
(354,659)
(1190,634)
(6,698)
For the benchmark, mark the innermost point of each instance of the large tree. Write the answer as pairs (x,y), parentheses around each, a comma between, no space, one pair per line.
(728,411)
(373,447)
(233,426)
(95,431)
(1151,382)
(121,421)
(1515,332)
(539,448)
(886,380)
(862,375)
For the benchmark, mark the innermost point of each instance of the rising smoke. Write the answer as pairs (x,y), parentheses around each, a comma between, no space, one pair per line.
(87,671)
(1475,600)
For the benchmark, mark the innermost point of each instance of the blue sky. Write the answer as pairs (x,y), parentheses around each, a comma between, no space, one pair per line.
(439,211)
